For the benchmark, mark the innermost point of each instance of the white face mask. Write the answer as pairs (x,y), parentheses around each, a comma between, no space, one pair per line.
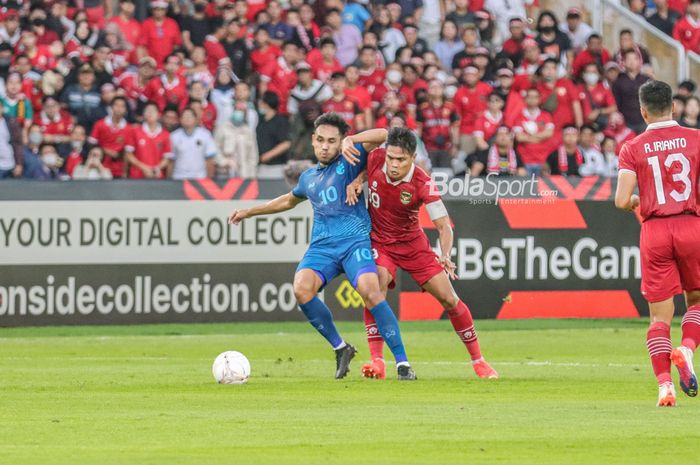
(49,159)
(450,92)
(393,76)
(591,78)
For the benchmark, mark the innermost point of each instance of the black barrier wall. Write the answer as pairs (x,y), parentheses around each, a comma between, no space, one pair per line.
(69,255)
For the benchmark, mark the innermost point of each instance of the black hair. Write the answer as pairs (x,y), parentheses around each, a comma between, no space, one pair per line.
(332,119)
(120,98)
(368,47)
(595,35)
(338,75)
(331,11)
(688,85)
(288,43)
(656,97)
(171,107)
(271,99)
(151,103)
(569,126)
(589,127)
(402,138)
(626,31)
(326,41)
(496,94)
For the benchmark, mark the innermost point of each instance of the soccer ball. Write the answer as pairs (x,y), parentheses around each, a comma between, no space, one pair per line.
(231,367)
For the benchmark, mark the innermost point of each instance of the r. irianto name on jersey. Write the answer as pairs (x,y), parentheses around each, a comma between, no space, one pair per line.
(665,145)
(520,258)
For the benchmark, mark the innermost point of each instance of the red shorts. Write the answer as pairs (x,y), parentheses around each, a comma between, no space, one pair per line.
(415,257)
(670,253)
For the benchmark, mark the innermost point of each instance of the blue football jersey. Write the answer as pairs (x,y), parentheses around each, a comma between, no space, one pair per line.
(325,186)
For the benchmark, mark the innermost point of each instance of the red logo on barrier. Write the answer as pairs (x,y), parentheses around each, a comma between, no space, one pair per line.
(568,304)
(207,189)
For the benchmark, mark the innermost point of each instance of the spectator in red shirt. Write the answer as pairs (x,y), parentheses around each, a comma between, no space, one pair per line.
(55,123)
(151,146)
(687,29)
(216,54)
(391,106)
(114,135)
(597,100)
(371,76)
(159,34)
(280,77)
(411,84)
(309,33)
(485,131)
(391,83)
(77,150)
(265,53)
(531,59)
(559,96)
(594,53)
(39,55)
(130,28)
(512,47)
(533,129)
(617,129)
(44,36)
(168,87)
(323,61)
(438,126)
(470,103)
(81,46)
(10,31)
(133,84)
(344,105)
(199,101)
(359,94)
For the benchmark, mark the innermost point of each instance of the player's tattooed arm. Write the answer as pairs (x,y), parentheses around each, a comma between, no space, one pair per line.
(446,238)
(370,140)
(280,204)
(354,189)
(625,198)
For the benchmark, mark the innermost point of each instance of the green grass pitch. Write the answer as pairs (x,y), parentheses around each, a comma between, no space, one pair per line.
(571,392)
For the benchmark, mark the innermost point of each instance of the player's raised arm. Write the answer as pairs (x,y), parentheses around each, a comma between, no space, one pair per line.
(370,140)
(280,204)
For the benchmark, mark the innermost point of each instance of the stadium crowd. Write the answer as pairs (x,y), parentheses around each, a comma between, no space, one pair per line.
(230,88)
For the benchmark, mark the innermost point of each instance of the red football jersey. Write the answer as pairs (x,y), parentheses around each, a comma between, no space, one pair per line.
(60,125)
(160,40)
(260,58)
(162,92)
(665,158)
(117,138)
(436,125)
(394,206)
(470,104)
(280,79)
(360,95)
(487,125)
(371,80)
(533,124)
(347,108)
(566,95)
(149,148)
(599,97)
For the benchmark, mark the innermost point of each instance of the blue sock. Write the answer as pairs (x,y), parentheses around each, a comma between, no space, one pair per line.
(320,318)
(389,329)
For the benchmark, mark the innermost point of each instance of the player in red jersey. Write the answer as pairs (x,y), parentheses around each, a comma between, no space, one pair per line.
(397,190)
(664,161)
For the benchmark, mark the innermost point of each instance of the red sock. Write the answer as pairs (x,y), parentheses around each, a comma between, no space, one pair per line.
(691,327)
(461,319)
(659,345)
(374,339)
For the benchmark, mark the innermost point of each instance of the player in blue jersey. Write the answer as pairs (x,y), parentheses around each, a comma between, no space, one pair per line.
(340,238)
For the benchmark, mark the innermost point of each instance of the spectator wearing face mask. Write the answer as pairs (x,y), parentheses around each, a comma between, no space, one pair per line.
(77,151)
(41,160)
(237,143)
(597,100)
(618,130)
(93,169)
(391,83)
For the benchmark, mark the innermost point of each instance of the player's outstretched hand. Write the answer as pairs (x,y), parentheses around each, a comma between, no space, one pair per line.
(353,192)
(634,203)
(237,216)
(350,152)
(449,267)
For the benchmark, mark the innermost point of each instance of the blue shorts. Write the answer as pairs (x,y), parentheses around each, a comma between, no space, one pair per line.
(352,256)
